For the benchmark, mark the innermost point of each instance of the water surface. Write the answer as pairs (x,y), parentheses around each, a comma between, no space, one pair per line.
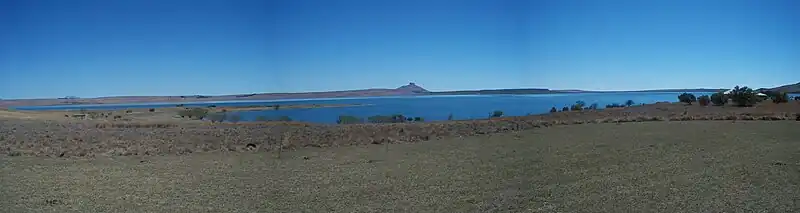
(431,108)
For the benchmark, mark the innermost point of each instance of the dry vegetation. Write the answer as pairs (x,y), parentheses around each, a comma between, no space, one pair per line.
(699,166)
(150,136)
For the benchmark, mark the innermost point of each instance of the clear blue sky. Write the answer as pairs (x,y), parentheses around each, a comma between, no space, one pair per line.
(90,48)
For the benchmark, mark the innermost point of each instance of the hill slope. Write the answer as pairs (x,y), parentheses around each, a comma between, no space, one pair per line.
(791,88)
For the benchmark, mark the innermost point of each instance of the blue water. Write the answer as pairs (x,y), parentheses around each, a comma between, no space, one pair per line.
(431,108)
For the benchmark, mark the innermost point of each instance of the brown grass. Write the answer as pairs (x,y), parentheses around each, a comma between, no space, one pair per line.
(699,166)
(87,138)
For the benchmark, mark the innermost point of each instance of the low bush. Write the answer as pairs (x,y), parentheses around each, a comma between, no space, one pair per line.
(347,119)
(553,109)
(387,119)
(565,109)
(780,97)
(719,99)
(615,105)
(197,113)
(629,103)
(704,100)
(497,113)
(578,106)
(151,110)
(687,98)
(450,117)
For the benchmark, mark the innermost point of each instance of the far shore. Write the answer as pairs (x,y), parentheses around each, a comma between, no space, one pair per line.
(279,107)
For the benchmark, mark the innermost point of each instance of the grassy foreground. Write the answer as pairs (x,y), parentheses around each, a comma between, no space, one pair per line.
(696,166)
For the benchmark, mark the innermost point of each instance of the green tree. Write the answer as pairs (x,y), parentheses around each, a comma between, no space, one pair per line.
(704,100)
(719,99)
(744,97)
(687,98)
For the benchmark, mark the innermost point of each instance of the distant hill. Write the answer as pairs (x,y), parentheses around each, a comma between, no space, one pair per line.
(410,89)
(791,88)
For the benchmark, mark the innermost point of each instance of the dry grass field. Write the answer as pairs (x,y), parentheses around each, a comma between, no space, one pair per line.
(676,166)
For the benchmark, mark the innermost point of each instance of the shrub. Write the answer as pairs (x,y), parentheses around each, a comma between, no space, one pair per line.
(277,106)
(719,99)
(198,113)
(151,110)
(419,119)
(615,105)
(687,98)
(629,103)
(347,119)
(704,100)
(780,97)
(497,113)
(578,106)
(381,119)
(565,109)
(553,109)
(128,111)
(743,96)
(450,117)
(593,106)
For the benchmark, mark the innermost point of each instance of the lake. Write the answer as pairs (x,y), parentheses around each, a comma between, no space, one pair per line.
(431,108)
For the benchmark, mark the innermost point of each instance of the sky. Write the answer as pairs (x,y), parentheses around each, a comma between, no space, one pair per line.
(96,48)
